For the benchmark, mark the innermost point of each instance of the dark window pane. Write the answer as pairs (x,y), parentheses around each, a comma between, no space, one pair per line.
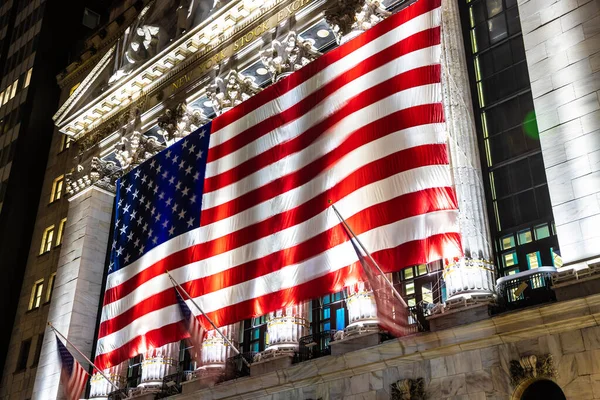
(506,213)
(23,355)
(512,178)
(486,64)
(512,17)
(521,76)
(508,145)
(502,56)
(510,3)
(497,28)
(526,206)
(538,174)
(543,202)
(477,13)
(481,36)
(493,7)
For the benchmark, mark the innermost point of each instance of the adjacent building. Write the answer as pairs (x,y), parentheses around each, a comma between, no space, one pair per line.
(521,97)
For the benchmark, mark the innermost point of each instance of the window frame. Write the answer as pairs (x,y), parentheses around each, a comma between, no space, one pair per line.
(23,357)
(47,237)
(37,293)
(57,188)
(51,281)
(60,234)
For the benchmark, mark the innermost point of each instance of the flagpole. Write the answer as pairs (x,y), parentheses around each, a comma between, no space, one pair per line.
(82,355)
(177,285)
(343,221)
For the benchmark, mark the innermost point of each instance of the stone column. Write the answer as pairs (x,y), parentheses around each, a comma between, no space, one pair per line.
(286,327)
(473,273)
(77,288)
(100,388)
(158,363)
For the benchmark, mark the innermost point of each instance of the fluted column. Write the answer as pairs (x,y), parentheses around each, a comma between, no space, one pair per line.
(473,273)
(100,387)
(285,328)
(158,363)
(362,310)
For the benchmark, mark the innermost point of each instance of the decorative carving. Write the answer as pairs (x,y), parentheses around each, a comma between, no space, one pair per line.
(231,91)
(347,16)
(100,173)
(128,120)
(288,55)
(134,149)
(529,367)
(408,389)
(180,121)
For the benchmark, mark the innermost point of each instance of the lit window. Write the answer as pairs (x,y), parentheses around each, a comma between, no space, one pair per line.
(525,236)
(556,258)
(14,88)
(512,271)
(408,273)
(421,269)
(47,240)
(57,187)
(50,286)
(36,294)
(534,260)
(65,143)
(427,293)
(61,231)
(28,78)
(510,259)
(542,231)
(410,288)
(6,95)
(412,303)
(1,97)
(507,242)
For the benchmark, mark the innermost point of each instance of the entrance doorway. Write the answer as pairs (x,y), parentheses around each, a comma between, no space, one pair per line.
(543,389)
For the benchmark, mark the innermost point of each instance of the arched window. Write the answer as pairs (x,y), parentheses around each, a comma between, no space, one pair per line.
(543,389)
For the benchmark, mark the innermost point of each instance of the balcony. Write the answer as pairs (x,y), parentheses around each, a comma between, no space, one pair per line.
(524,289)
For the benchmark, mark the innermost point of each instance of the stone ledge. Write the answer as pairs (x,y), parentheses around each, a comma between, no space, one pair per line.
(504,329)
(353,343)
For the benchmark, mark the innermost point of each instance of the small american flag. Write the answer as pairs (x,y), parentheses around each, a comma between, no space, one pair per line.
(72,377)
(243,222)
(191,324)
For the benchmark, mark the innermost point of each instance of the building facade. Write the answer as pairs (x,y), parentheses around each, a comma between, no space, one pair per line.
(34,47)
(520,92)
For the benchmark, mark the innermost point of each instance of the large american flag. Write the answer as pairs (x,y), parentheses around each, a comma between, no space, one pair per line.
(73,377)
(362,127)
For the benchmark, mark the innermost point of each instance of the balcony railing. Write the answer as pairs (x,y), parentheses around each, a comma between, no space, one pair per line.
(525,289)
(171,385)
(235,367)
(314,346)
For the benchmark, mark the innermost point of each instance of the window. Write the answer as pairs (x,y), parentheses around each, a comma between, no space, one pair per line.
(408,273)
(36,294)
(38,350)
(57,187)
(421,269)
(534,260)
(90,18)
(27,78)
(61,230)
(510,259)
(14,88)
(47,240)
(525,237)
(507,242)
(65,143)
(23,355)
(542,231)
(50,286)
(409,289)
(6,95)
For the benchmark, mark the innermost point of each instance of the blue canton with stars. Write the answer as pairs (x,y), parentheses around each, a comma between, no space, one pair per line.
(65,357)
(160,199)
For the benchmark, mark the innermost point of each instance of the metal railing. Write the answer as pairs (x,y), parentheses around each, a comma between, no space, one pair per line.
(171,385)
(314,346)
(236,368)
(525,289)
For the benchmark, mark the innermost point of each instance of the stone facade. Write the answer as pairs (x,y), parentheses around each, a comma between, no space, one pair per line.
(562,41)
(471,362)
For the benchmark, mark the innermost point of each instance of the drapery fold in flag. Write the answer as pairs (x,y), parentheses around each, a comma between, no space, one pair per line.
(242,221)
(191,325)
(73,377)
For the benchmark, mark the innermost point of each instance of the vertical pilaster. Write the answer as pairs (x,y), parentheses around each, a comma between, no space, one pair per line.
(474,273)
(74,307)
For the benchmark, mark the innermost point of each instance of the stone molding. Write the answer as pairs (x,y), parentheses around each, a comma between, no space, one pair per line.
(504,329)
(95,172)
(226,93)
(408,389)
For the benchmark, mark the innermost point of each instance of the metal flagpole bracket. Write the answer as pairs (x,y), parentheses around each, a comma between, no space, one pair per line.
(178,287)
(56,331)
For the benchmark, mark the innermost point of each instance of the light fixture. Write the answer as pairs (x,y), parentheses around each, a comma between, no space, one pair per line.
(261,71)
(322,33)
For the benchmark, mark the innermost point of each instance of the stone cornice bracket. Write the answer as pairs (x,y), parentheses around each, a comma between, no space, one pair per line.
(96,172)
(135,148)
(226,93)
(531,367)
(180,121)
(349,18)
(288,55)
(408,389)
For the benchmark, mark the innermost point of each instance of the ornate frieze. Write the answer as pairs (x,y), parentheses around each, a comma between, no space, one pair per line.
(531,367)
(226,93)
(350,18)
(100,173)
(134,149)
(180,121)
(288,55)
(408,389)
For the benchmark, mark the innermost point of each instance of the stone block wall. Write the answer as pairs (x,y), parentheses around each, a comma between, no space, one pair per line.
(470,362)
(562,43)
